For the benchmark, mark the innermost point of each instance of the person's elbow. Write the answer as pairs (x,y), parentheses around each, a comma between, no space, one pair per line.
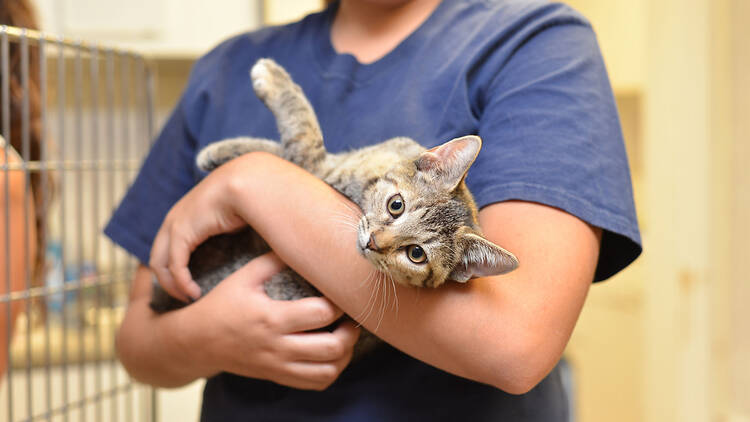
(129,354)
(137,355)
(524,363)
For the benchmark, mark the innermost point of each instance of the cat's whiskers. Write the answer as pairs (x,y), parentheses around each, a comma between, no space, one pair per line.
(383,300)
(395,294)
(375,300)
(388,285)
(344,220)
(353,209)
(346,216)
(366,280)
(370,305)
(346,224)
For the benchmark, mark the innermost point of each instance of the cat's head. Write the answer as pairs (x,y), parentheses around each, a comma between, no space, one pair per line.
(420,224)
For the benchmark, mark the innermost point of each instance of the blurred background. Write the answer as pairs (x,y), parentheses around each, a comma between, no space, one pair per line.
(668,339)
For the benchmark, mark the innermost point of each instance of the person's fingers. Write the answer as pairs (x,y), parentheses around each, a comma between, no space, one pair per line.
(158,262)
(158,259)
(348,332)
(314,375)
(310,313)
(321,346)
(181,245)
(323,374)
(312,347)
(290,379)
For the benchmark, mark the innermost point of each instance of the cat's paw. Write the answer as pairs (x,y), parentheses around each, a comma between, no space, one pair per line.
(220,152)
(269,79)
(206,159)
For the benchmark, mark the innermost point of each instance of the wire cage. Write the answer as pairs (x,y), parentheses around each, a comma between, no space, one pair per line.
(82,115)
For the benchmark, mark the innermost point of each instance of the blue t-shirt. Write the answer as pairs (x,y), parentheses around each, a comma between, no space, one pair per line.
(525,75)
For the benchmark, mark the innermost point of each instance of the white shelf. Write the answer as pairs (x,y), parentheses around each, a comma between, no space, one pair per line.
(182,29)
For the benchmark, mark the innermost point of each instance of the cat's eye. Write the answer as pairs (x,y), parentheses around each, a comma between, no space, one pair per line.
(416,254)
(396,205)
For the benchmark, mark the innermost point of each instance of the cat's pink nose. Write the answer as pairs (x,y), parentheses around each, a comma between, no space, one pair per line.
(371,245)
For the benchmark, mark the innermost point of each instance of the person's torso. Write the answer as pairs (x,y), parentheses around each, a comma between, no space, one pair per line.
(430,89)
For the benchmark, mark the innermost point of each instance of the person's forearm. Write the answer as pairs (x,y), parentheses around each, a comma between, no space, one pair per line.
(481,331)
(149,345)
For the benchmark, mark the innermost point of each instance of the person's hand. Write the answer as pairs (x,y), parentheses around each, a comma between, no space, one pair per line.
(245,332)
(205,211)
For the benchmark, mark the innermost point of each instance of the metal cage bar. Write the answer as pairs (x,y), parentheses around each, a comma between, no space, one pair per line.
(81,119)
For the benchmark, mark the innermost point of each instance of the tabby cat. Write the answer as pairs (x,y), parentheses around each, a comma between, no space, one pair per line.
(419,222)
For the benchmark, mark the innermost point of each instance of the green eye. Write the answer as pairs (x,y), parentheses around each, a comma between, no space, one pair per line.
(396,205)
(416,254)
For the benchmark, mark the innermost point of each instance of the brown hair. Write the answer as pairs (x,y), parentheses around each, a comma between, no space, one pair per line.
(20,13)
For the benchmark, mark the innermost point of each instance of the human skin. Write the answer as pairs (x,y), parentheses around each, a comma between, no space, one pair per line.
(22,251)
(369,29)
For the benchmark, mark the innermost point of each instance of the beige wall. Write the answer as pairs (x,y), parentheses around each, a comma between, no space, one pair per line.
(686,306)
(739,59)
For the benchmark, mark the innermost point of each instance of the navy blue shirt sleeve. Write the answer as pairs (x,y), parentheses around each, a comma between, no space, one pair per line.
(552,135)
(166,175)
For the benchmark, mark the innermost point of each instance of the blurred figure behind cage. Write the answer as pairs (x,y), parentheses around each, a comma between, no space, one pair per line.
(20,256)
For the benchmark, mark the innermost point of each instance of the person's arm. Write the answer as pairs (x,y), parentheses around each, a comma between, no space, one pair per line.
(20,249)
(508,331)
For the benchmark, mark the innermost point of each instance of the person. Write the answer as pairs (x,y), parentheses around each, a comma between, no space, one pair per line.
(552,183)
(21,201)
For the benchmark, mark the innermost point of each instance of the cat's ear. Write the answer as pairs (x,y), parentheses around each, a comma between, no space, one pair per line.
(482,258)
(449,162)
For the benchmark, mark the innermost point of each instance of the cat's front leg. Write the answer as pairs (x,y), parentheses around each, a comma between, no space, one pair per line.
(220,152)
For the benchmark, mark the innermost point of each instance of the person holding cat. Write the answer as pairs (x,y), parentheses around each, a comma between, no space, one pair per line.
(551,181)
